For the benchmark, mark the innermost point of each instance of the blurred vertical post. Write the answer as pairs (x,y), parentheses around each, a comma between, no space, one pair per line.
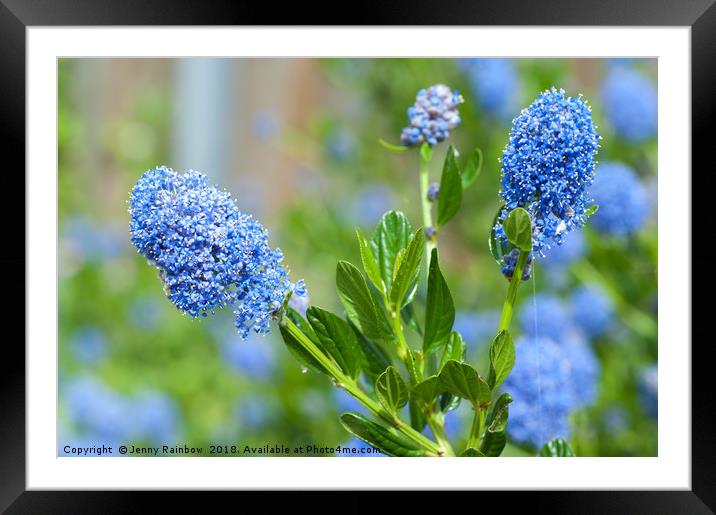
(202,132)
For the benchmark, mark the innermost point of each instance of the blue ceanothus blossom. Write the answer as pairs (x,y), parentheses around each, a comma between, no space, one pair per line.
(208,253)
(547,166)
(630,104)
(622,198)
(433,116)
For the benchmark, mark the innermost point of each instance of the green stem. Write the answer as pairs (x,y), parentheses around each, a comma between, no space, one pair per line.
(350,386)
(509,305)
(477,422)
(437,426)
(430,242)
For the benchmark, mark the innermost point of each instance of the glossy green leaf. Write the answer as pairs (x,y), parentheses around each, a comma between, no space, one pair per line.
(471,452)
(370,265)
(591,211)
(360,304)
(392,234)
(495,438)
(518,228)
(388,440)
(502,358)
(557,448)
(391,390)
(439,310)
(454,349)
(337,339)
(426,152)
(294,346)
(391,147)
(472,168)
(499,248)
(407,270)
(426,391)
(450,196)
(462,380)
(417,419)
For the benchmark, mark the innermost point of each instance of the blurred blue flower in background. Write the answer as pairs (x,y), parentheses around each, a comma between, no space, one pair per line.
(368,204)
(648,387)
(341,144)
(145,312)
(496,84)
(592,310)
(433,116)
(156,417)
(572,248)
(630,103)
(93,412)
(622,199)
(88,241)
(89,344)
(265,124)
(585,368)
(615,419)
(345,402)
(253,412)
(541,387)
(547,166)
(252,358)
(544,314)
(477,328)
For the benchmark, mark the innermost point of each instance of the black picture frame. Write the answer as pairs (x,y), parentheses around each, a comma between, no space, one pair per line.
(17,15)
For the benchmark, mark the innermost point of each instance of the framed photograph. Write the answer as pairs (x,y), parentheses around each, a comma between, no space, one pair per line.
(257,254)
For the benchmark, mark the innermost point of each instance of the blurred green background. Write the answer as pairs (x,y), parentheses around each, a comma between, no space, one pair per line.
(295,140)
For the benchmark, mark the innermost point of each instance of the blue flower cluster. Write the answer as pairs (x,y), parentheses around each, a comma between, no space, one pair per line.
(509,262)
(630,104)
(495,83)
(547,166)
(94,412)
(209,254)
(433,116)
(622,198)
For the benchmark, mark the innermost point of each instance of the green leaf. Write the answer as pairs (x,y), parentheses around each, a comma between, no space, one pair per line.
(450,196)
(294,346)
(495,438)
(426,152)
(337,338)
(375,358)
(591,211)
(439,310)
(454,349)
(391,390)
(408,315)
(518,228)
(417,418)
(369,263)
(388,440)
(472,168)
(391,147)
(408,270)
(471,452)
(426,391)
(498,247)
(359,303)
(462,380)
(557,448)
(392,234)
(502,358)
